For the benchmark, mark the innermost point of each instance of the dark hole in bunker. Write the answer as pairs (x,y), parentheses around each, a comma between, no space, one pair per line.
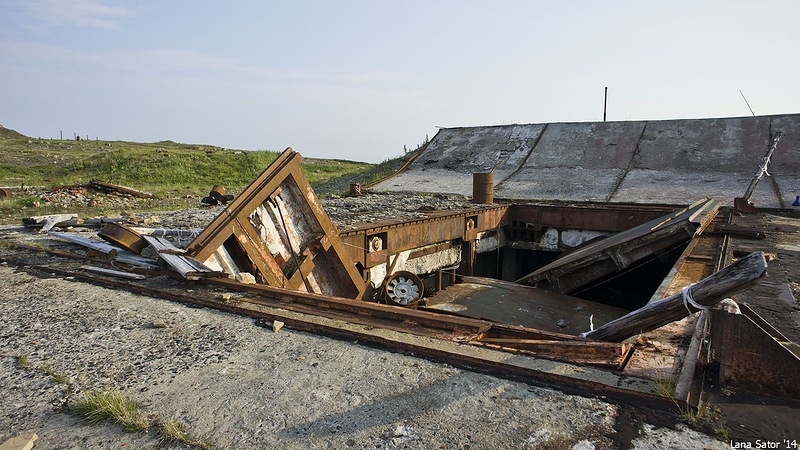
(629,289)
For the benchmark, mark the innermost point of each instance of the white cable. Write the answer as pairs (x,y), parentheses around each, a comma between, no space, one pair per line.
(686,293)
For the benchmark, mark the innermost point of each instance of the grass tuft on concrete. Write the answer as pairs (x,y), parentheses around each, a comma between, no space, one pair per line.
(22,361)
(665,386)
(100,406)
(174,431)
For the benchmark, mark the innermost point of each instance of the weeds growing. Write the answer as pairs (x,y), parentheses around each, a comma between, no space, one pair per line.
(99,406)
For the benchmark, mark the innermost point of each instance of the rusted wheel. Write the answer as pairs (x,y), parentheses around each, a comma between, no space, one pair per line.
(404,289)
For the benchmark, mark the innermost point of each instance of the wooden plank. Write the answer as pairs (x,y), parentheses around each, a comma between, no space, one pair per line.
(22,442)
(114,273)
(115,253)
(106,186)
(188,267)
(47,222)
(706,292)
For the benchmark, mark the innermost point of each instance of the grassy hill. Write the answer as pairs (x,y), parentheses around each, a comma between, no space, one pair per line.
(165,168)
(168,169)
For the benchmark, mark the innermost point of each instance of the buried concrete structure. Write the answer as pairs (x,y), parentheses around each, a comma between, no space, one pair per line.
(457,266)
(643,162)
(445,249)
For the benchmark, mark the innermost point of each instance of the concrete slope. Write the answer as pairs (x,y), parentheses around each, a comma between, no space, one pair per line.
(454,154)
(665,161)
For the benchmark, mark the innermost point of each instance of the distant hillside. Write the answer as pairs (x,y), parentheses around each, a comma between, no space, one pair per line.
(6,133)
(166,168)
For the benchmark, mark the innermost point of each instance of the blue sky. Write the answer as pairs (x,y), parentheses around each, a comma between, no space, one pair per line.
(360,80)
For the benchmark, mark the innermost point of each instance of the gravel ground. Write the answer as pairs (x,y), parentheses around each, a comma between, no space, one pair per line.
(238,385)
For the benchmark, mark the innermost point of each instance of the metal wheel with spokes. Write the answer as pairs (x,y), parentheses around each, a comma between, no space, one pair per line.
(404,289)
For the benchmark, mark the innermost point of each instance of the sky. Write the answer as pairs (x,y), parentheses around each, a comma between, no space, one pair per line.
(366,80)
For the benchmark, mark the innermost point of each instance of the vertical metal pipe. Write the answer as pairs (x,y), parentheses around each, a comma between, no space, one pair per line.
(483,187)
(605,104)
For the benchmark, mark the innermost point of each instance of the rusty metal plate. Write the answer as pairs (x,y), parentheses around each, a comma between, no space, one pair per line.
(123,237)
(515,304)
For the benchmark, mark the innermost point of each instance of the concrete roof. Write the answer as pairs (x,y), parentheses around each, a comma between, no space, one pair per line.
(655,161)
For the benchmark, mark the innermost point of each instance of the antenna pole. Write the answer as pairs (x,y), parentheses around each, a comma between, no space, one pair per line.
(605,104)
(748,104)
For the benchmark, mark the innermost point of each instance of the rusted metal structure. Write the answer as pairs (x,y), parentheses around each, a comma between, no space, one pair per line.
(430,277)
(749,350)
(277,231)
(615,254)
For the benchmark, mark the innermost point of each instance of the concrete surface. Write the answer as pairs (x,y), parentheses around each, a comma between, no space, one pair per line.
(657,161)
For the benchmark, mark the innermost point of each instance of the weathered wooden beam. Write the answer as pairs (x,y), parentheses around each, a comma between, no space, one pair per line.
(706,292)
(113,253)
(188,267)
(114,273)
(110,187)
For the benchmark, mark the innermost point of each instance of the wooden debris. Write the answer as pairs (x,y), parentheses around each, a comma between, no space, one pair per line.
(114,273)
(188,267)
(706,292)
(22,442)
(46,223)
(106,249)
(110,187)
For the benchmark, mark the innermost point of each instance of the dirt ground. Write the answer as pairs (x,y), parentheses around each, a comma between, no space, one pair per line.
(236,384)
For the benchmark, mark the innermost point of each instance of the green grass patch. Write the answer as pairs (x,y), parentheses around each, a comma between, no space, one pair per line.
(55,376)
(665,386)
(174,431)
(101,406)
(22,361)
(165,168)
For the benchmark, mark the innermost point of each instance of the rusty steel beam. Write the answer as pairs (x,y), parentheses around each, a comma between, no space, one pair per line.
(399,236)
(518,339)
(612,355)
(482,333)
(606,217)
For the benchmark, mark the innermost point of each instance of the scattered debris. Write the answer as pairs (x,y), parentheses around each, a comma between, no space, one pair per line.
(217,196)
(46,223)
(188,267)
(114,273)
(110,187)
(24,441)
(111,252)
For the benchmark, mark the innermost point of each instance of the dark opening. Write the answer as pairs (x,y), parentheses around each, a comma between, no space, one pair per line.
(630,289)
(633,288)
